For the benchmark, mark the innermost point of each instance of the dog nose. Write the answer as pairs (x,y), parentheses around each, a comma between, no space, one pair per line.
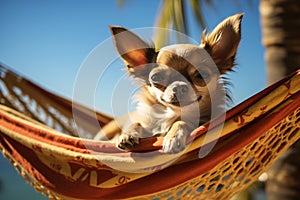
(180,90)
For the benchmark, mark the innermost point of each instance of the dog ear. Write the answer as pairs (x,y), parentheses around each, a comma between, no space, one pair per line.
(223,42)
(135,53)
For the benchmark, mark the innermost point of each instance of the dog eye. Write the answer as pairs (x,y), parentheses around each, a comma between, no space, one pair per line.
(156,78)
(205,75)
(202,75)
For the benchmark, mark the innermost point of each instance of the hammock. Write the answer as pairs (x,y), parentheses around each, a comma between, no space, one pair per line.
(39,137)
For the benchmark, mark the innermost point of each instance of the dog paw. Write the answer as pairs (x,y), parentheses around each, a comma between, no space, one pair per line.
(175,142)
(131,137)
(128,140)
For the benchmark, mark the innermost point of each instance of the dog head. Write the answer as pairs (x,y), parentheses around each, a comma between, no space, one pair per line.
(178,75)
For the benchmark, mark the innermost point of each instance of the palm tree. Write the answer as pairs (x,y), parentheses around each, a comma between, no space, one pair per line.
(281,37)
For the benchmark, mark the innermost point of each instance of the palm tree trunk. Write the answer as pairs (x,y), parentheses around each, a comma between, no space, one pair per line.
(280,20)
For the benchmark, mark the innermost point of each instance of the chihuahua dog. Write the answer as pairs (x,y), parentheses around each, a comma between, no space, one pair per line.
(179,83)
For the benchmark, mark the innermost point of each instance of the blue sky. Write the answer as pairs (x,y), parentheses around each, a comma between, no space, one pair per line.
(49,41)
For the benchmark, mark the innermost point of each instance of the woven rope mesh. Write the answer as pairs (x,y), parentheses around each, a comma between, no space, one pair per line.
(33,101)
(241,169)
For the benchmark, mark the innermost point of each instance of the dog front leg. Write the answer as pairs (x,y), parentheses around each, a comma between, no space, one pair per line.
(175,139)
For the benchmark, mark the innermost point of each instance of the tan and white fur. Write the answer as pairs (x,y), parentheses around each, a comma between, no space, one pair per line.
(179,83)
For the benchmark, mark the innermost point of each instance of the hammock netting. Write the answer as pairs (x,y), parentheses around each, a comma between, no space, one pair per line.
(39,136)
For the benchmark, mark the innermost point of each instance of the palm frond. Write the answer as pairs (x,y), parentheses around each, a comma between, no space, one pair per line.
(196,9)
(162,22)
(121,3)
(173,16)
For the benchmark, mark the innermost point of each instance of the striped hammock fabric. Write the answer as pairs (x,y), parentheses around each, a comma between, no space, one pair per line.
(39,136)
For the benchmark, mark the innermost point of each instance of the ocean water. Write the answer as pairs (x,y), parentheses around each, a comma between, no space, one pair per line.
(13,186)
